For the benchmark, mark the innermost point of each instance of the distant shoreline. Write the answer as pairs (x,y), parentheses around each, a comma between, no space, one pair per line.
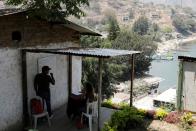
(173,44)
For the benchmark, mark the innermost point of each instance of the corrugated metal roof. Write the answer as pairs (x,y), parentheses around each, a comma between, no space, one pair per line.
(9,11)
(187,58)
(69,24)
(88,52)
(97,52)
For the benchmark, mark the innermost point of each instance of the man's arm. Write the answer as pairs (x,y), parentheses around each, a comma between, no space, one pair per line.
(52,79)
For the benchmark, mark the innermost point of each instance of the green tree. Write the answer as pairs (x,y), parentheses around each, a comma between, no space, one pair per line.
(132,41)
(117,69)
(155,27)
(155,30)
(173,12)
(166,29)
(191,25)
(131,14)
(188,10)
(91,41)
(90,74)
(90,66)
(52,10)
(180,24)
(141,26)
(114,28)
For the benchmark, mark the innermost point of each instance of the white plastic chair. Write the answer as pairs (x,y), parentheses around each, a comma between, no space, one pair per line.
(37,116)
(91,113)
(40,115)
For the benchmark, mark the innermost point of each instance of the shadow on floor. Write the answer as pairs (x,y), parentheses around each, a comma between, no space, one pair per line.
(60,121)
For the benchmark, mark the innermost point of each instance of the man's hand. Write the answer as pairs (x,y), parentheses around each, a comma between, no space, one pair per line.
(52,79)
(51,74)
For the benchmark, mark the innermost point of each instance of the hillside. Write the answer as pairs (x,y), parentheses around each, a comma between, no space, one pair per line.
(128,11)
(185,3)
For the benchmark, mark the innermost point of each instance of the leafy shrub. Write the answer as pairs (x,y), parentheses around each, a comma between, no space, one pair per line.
(107,127)
(167,29)
(150,114)
(142,112)
(124,119)
(172,117)
(186,118)
(161,113)
(167,106)
(123,105)
(108,103)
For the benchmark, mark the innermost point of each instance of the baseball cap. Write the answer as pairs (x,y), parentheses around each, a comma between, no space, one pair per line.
(46,68)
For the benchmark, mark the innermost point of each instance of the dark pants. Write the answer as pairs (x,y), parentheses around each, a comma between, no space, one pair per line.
(46,98)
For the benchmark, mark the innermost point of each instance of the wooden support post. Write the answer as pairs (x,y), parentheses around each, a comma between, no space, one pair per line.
(132,78)
(99,93)
(24,89)
(180,86)
(69,75)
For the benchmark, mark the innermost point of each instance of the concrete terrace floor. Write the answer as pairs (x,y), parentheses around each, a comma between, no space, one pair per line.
(60,121)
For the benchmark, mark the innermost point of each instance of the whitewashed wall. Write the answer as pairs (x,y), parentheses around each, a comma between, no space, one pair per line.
(59,91)
(76,74)
(11,105)
(10,89)
(189,86)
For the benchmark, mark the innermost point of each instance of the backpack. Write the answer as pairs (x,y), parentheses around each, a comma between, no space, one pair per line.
(36,106)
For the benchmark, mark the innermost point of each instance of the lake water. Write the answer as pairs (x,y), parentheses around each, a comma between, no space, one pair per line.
(168,70)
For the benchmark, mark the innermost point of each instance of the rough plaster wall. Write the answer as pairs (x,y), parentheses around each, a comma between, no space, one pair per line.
(10,88)
(189,86)
(59,93)
(76,74)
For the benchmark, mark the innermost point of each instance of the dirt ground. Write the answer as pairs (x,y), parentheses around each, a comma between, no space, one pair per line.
(157,125)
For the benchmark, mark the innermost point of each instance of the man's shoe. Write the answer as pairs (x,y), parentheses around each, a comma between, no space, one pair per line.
(51,116)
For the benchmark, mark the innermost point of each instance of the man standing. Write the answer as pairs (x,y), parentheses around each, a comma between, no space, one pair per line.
(42,83)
